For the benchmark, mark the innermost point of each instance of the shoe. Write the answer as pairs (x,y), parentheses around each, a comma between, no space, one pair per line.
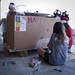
(35,62)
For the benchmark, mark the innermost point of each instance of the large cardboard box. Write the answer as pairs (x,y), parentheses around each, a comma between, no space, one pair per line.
(27,32)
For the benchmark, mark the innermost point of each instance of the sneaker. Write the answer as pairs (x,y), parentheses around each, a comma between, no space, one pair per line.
(35,62)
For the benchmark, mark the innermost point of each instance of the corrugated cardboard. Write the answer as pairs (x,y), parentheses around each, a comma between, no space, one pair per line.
(37,31)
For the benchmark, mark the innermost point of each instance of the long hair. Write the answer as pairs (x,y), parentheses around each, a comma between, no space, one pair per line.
(59,31)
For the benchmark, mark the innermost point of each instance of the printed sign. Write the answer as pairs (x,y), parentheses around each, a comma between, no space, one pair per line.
(20,24)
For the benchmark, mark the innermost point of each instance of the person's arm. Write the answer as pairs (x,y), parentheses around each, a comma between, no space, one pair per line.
(20,13)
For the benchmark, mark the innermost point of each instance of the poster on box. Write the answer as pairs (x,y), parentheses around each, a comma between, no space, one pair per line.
(20,23)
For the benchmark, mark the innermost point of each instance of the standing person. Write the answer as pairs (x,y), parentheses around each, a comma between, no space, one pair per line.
(3,23)
(69,33)
(57,45)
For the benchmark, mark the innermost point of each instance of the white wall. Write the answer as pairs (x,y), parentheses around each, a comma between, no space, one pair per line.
(43,6)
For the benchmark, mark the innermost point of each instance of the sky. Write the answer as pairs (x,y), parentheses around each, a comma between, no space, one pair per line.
(43,6)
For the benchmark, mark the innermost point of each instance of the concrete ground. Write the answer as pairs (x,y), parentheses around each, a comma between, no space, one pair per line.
(11,64)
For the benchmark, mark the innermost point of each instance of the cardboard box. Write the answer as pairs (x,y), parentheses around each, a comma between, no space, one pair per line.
(27,32)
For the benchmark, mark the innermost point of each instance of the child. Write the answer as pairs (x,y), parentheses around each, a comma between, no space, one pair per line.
(57,45)
(69,32)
